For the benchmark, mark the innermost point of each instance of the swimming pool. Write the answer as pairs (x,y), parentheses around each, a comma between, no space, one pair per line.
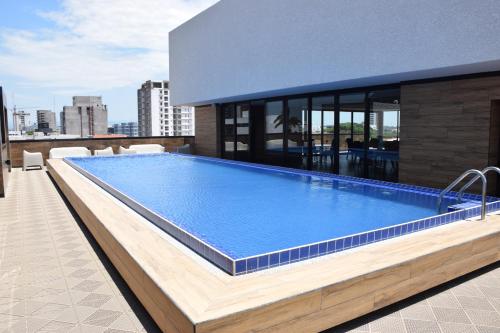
(245,217)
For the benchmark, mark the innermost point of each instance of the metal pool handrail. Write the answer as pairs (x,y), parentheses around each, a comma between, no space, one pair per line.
(469,184)
(458,180)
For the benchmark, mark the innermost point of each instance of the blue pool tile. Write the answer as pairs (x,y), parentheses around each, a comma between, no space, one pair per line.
(304,252)
(347,242)
(421,225)
(385,232)
(284,257)
(339,245)
(241,266)
(363,239)
(322,249)
(274,259)
(390,232)
(355,240)
(397,231)
(331,247)
(409,227)
(263,261)
(371,237)
(378,235)
(251,264)
(313,250)
(294,255)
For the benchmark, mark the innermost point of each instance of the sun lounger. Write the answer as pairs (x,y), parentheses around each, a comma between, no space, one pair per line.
(69,152)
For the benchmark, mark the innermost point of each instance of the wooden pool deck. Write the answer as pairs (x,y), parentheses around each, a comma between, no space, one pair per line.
(184,293)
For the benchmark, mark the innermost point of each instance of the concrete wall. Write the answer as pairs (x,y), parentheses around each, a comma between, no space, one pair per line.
(44,146)
(446,128)
(247,49)
(206,139)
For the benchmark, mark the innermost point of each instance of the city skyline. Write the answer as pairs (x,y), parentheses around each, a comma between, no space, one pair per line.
(86,49)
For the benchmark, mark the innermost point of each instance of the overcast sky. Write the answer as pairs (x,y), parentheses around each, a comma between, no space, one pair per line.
(51,50)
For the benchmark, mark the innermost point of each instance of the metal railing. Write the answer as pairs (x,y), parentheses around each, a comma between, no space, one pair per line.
(481,176)
(473,180)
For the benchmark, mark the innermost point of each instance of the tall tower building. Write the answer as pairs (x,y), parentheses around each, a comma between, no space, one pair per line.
(46,121)
(156,117)
(87,117)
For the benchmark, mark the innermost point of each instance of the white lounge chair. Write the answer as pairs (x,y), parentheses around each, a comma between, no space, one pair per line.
(184,149)
(125,151)
(148,148)
(104,152)
(69,152)
(32,160)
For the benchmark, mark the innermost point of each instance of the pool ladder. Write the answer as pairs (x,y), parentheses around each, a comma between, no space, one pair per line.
(478,175)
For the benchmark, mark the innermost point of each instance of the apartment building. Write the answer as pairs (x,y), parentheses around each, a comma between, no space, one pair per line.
(156,117)
(87,116)
(128,129)
(21,120)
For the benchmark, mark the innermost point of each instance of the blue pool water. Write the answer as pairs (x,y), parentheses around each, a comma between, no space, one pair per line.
(245,211)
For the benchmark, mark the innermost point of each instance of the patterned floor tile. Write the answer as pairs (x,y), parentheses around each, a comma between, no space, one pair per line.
(484,318)
(386,324)
(456,328)
(421,326)
(418,312)
(49,311)
(447,315)
(95,300)
(479,303)
(102,318)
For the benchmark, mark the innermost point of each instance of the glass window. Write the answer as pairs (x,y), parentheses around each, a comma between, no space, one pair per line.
(323,123)
(384,134)
(351,134)
(274,126)
(242,130)
(297,133)
(228,131)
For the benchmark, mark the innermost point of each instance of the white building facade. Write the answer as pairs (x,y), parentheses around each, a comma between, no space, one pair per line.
(156,117)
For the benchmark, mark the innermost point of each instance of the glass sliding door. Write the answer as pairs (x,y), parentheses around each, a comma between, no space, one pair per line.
(323,136)
(228,131)
(297,133)
(274,132)
(383,154)
(243,132)
(348,133)
(352,157)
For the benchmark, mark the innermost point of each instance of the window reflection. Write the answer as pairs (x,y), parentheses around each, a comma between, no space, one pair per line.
(228,111)
(297,133)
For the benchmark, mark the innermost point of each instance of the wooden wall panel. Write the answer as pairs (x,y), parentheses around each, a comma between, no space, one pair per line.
(206,131)
(445,129)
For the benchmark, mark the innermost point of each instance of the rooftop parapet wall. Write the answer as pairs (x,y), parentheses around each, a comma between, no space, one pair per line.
(44,146)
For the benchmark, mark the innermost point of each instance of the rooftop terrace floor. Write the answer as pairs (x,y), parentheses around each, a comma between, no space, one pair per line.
(54,277)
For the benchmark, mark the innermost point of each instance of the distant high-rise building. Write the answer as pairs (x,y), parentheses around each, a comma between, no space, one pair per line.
(87,117)
(129,129)
(156,117)
(46,121)
(21,120)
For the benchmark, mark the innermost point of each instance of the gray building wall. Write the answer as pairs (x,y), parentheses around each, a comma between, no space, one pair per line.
(46,120)
(239,50)
(87,116)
